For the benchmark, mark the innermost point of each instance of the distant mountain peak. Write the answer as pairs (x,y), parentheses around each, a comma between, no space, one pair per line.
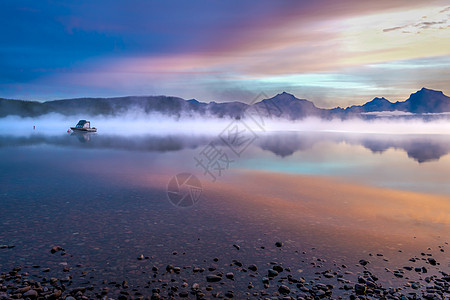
(284,95)
(379,99)
(425,92)
(424,89)
(425,101)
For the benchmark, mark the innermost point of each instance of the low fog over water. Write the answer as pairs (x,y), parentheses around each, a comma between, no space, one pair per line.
(158,124)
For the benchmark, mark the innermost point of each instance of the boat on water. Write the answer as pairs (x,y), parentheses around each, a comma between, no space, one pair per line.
(83,126)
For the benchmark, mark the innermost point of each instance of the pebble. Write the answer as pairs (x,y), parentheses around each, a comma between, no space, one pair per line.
(278,268)
(360,289)
(237,263)
(183,294)
(230,275)
(229,294)
(284,289)
(253,268)
(272,273)
(363,262)
(23,290)
(31,294)
(155,296)
(279,244)
(213,278)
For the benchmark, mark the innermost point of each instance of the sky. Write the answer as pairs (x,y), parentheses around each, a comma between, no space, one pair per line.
(334,53)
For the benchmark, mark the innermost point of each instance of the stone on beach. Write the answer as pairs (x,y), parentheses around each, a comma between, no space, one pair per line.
(213,278)
(284,289)
(30,294)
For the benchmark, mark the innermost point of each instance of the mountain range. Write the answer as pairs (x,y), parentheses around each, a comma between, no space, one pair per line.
(283,105)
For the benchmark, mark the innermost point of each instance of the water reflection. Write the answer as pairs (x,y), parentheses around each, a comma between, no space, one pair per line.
(83,137)
(421,148)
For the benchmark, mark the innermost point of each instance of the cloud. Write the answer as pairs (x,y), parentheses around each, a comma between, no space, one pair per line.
(445,9)
(393,28)
(206,49)
(412,26)
(424,25)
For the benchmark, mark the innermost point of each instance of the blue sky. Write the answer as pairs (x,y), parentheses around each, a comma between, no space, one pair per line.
(331,52)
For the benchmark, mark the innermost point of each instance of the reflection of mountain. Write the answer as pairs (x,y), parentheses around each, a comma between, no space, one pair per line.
(419,148)
(283,105)
(287,144)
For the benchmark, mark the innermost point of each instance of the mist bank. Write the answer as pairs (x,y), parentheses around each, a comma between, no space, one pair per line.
(425,104)
(132,124)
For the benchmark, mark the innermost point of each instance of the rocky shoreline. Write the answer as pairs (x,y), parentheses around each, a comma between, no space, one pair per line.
(268,281)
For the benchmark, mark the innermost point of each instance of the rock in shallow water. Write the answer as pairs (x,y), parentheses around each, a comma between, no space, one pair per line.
(56,249)
(253,268)
(363,262)
(272,273)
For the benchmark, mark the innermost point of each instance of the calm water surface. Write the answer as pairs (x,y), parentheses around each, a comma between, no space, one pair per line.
(104,199)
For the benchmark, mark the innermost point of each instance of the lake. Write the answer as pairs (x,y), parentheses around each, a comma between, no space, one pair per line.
(136,208)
